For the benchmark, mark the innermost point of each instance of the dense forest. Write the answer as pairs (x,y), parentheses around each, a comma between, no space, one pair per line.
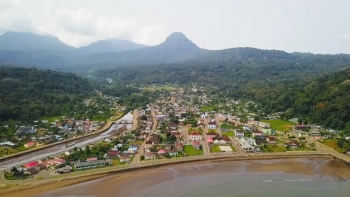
(324,100)
(302,86)
(27,94)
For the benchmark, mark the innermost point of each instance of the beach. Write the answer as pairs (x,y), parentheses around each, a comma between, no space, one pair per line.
(190,179)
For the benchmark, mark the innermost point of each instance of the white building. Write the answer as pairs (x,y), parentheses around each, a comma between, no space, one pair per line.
(194,136)
(239,133)
(247,144)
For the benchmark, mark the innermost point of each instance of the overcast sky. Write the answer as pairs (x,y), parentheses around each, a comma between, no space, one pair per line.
(315,26)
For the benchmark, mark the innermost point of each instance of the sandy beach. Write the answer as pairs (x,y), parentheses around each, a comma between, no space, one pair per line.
(153,179)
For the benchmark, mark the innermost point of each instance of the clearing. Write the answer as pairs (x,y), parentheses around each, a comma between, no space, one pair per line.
(280,125)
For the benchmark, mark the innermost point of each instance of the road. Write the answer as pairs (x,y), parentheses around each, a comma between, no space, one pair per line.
(142,146)
(184,132)
(59,148)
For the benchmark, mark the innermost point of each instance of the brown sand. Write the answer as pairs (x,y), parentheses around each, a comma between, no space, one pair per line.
(130,179)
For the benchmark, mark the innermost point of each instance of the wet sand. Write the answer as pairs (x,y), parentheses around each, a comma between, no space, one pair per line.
(194,179)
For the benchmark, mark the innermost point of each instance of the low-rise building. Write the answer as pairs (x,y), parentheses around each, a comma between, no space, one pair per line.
(247,144)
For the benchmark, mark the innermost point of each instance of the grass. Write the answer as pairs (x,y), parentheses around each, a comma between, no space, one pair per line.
(333,143)
(271,148)
(280,125)
(233,148)
(7,151)
(230,133)
(226,126)
(52,119)
(215,149)
(189,150)
(208,108)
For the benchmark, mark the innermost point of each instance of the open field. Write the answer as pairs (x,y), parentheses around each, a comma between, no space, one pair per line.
(226,126)
(208,108)
(189,150)
(280,125)
(230,133)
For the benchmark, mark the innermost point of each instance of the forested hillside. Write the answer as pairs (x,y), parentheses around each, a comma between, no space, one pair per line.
(292,82)
(324,100)
(27,94)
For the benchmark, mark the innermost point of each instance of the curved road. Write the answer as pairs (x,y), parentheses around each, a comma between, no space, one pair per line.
(60,148)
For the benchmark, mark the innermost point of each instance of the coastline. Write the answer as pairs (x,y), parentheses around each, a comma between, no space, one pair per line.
(39,187)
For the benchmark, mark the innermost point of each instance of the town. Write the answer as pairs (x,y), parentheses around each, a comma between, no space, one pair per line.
(182,122)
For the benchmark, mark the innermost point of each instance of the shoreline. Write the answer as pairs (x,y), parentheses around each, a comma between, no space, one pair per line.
(39,187)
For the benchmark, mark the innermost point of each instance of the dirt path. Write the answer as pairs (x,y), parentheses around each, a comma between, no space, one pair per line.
(135,121)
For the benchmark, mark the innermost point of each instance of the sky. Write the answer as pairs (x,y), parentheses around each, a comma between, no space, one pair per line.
(316,26)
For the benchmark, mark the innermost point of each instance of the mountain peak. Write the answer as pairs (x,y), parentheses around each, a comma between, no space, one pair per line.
(178,39)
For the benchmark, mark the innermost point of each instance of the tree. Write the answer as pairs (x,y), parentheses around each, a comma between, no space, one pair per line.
(142,157)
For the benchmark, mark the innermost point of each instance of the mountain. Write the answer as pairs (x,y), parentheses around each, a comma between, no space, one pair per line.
(176,48)
(125,44)
(109,45)
(98,47)
(31,42)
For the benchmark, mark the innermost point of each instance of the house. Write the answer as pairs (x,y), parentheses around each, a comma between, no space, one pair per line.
(29,144)
(239,133)
(64,170)
(196,145)
(247,144)
(30,164)
(161,152)
(269,131)
(176,134)
(7,143)
(212,134)
(91,164)
(25,130)
(113,154)
(226,139)
(125,158)
(173,153)
(149,155)
(314,133)
(292,145)
(271,140)
(212,124)
(172,125)
(195,136)
(33,170)
(179,146)
(210,140)
(257,133)
(154,140)
(300,127)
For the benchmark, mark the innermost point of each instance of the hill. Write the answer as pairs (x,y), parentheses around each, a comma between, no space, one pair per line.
(109,45)
(31,42)
(176,48)
(27,94)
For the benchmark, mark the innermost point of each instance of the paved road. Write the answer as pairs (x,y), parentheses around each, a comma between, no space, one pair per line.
(60,148)
(140,152)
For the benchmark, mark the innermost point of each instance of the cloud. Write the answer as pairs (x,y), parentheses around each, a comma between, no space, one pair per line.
(17,3)
(345,36)
(151,35)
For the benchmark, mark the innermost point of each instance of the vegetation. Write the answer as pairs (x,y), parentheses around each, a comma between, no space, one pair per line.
(190,151)
(280,125)
(28,94)
(215,149)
